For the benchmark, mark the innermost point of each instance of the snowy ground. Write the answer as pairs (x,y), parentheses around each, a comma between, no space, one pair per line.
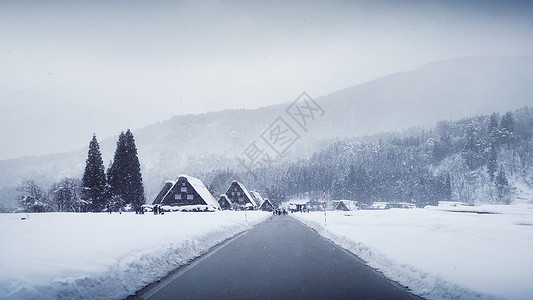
(441,254)
(97,256)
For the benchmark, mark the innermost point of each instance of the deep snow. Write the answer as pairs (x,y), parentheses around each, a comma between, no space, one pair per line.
(97,256)
(439,253)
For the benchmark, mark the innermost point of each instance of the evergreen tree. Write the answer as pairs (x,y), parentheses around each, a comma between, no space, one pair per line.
(507,129)
(447,188)
(492,162)
(94,180)
(502,186)
(493,128)
(124,175)
(472,149)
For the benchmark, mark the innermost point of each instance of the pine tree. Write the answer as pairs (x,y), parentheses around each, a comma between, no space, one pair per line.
(124,175)
(447,188)
(502,186)
(492,162)
(94,180)
(493,128)
(507,129)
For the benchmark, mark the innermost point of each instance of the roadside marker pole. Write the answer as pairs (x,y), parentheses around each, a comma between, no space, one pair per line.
(324,206)
(245,215)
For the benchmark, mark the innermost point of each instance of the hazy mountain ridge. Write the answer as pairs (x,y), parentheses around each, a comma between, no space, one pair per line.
(194,143)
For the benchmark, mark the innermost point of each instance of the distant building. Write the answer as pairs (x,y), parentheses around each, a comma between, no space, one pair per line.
(225,202)
(240,197)
(186,191)
(266,205)
(346,205)
(380,205)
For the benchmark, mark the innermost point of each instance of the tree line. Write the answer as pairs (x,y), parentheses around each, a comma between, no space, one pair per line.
(99,190)
(471,160)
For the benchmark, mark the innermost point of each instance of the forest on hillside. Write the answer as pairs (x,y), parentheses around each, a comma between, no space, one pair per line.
(474,160)
(481,159)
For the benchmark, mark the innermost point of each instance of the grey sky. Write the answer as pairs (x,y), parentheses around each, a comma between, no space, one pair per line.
(71,68)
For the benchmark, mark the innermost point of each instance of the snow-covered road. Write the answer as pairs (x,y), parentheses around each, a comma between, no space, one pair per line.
(440,254)
(97,256)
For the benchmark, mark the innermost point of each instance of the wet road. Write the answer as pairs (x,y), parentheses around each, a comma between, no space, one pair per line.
(278,259)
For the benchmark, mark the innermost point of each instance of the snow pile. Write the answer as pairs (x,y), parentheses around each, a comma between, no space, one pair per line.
(97,256)
(441,254)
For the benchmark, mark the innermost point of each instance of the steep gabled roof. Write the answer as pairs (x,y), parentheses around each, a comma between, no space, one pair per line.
(163,193)
(264,202)
(197,185)
(225,198)
(245,191)
(257,198)
(349,204)
(200,188)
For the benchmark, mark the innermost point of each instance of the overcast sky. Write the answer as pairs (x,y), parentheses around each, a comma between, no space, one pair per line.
(71,68)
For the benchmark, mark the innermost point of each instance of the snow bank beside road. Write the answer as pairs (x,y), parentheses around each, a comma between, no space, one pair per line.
(97,256)
(441,254)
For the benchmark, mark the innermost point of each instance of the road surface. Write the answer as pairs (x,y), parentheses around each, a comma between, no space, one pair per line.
(280,258)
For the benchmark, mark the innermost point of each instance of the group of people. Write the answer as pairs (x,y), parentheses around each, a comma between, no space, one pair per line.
(157,210)
(279,212)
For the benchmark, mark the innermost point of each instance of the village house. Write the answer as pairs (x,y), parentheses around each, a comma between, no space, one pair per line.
(225,202)
(266,205)
(262,203)
(187,193)
(346,205)
(240,197)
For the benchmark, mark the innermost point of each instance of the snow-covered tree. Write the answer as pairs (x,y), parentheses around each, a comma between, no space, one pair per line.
(492,162)
(124,175)
(65,196)
(493,129)
(94,180)
(502,186)
(507,129)
(32,198)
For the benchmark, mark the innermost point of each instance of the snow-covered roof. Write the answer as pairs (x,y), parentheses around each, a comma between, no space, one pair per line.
(244,190)
(225,197)
(379,205)
(265,201)
(200,188)
(349,204)
(257,197)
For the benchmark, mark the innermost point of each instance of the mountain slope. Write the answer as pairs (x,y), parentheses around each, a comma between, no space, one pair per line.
(195,143)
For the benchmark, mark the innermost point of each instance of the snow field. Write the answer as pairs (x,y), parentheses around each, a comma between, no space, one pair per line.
(441,254)
(97,256)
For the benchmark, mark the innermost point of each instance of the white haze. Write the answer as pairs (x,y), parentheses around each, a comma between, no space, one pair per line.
(71,68)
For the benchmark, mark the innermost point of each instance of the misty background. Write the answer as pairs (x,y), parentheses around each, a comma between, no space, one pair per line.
(73,68)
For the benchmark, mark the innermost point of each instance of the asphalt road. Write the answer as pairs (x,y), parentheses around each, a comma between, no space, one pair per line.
(278,259)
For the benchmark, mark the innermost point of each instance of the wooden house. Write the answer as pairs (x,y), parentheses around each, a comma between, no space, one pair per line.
(266,205)
(225,202)
(240,197)
(185,191)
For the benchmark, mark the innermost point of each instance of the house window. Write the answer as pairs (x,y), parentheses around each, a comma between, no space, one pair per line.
(241,200)
(190,196)
(177,196)
(183,183)
(233,193)
(184,189)
(238,193)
